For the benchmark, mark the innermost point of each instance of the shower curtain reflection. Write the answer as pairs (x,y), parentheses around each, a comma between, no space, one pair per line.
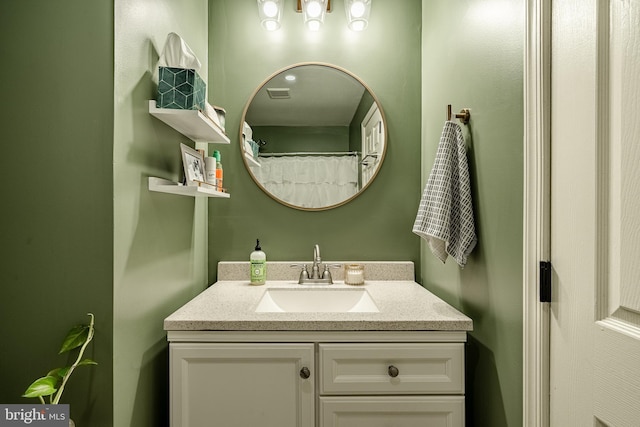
(309,181)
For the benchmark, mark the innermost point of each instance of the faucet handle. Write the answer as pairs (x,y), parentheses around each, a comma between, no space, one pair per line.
(304,274)
(326,274)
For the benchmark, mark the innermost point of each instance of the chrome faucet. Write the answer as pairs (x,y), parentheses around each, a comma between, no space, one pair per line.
(315,270)
(315,276)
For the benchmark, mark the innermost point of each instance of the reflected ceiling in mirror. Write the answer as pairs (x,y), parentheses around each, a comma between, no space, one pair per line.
(313,136)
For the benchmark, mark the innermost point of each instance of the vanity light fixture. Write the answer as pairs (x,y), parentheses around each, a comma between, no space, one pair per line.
(270,12)
(313,12)
(357,13)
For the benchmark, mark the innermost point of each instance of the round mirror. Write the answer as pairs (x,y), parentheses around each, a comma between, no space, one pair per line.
(313,136)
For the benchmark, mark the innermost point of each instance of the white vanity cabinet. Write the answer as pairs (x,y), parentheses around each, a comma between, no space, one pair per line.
(312,378)
(232,365)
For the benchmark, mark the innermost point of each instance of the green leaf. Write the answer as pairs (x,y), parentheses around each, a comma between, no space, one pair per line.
(59,372)
(87,362)
(44,386)
(75,338)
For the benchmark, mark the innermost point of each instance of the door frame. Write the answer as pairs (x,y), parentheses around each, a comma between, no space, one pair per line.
(536,209)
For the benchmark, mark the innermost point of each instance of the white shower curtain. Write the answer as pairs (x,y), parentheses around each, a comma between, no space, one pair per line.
(309,181)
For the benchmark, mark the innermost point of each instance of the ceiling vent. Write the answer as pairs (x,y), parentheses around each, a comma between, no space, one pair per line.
(278,93)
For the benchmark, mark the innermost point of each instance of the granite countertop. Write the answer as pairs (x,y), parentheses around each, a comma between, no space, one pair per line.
(229,305)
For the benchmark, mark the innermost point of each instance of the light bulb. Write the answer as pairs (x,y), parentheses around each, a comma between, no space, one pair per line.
(357,9)
(270,9)
(313,25)
(358,25)
(270,25)
(313,9)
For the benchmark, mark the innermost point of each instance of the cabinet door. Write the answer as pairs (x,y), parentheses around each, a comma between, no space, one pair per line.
(240,385)
(396,411)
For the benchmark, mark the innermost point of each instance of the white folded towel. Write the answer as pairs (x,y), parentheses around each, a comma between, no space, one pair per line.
(445,215)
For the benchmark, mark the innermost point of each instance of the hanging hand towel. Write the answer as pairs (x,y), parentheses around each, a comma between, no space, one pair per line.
(445,215)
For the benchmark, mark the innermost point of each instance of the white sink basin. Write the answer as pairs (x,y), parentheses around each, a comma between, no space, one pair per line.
(316,300)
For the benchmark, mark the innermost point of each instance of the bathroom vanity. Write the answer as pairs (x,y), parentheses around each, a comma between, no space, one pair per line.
(308,358)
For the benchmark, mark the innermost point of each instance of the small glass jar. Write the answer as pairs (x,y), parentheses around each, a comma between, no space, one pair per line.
(354,274)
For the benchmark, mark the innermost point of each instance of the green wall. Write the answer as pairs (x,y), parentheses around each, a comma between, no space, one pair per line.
(56,230)
(302,138)
(378,222)
(159,239)
(472,54)
(83,232)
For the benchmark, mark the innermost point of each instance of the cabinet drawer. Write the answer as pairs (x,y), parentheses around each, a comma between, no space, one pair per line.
(391,368)
(377,411)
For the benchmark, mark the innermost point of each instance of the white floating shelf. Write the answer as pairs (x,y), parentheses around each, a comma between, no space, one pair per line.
(191,123)
(251,160)
(165,186)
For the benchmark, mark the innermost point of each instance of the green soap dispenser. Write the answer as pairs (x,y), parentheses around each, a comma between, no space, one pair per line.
(258,260)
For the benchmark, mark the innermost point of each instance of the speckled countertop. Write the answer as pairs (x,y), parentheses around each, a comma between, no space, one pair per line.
(230,303)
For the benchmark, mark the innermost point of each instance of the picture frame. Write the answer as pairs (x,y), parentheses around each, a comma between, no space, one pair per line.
(193,163)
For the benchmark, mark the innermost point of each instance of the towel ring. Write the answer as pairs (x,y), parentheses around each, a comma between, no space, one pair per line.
(464,115)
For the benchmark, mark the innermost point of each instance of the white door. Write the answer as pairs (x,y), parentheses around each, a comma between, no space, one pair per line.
(372,128)
(595,213)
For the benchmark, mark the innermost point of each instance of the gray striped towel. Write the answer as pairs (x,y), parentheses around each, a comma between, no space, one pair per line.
(445,215)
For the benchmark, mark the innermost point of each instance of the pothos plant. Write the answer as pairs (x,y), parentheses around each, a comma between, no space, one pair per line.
(52,384)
